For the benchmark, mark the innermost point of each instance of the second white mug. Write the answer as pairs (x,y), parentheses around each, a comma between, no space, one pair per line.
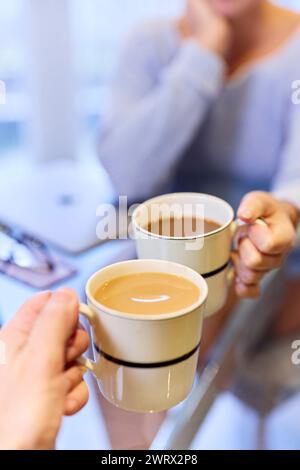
(208,254)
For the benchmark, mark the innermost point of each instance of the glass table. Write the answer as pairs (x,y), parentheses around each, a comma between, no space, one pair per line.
(241,334)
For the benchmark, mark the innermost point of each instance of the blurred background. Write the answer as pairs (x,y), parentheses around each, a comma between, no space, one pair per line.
(57,61)
(84,51)
(85,46)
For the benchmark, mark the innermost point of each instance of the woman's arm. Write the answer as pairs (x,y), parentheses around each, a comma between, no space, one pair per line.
(155,113)
(265,248)
(160,99)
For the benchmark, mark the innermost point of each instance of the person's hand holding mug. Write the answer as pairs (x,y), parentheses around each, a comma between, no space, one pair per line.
(40,379)
(256,246)
(261,248)
(202,24)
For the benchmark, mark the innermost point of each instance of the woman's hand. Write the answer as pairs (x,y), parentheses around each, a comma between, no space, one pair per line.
(262,248)
(206,27)
(40,379)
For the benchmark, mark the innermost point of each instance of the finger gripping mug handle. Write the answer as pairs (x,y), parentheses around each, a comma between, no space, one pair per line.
(236,226)
(230,274)
(239,225)
(89,315)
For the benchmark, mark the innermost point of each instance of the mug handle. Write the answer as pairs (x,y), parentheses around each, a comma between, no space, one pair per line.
(239,225)
(87,312)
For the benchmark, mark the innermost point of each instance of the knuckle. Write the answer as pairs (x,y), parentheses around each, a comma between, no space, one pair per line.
(278,262)
(244,291)
(245,276)
(240,290)
(270,244)
(254,260)
(291,240)
(280,244)
(250,277)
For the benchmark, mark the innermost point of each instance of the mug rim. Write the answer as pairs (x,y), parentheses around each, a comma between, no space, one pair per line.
(155,317)
(193,237)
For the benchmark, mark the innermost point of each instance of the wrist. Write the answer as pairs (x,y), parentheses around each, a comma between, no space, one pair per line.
(16,442)
(217,39)
(7,443)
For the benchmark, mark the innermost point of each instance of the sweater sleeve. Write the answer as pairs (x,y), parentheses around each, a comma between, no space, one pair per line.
(156,110)
(286,185)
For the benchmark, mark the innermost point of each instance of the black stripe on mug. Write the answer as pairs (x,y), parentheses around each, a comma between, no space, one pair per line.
(149,365)
(216,271)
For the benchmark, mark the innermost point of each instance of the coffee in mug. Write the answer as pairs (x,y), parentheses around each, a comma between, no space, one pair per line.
(206,248)
(181,226)
(148,293)
(145,358)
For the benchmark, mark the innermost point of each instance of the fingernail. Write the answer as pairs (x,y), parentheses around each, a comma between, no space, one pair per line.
(66,295)
(245,213)
(83,370)
(45,292)
(71,404)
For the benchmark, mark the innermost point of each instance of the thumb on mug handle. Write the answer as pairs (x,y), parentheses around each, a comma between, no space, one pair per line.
(238,226)
(89,315)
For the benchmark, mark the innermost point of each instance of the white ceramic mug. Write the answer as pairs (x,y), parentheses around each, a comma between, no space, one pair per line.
(208,254)
(144,363)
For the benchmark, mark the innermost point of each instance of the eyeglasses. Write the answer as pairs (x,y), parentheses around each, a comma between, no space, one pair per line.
(24,251)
